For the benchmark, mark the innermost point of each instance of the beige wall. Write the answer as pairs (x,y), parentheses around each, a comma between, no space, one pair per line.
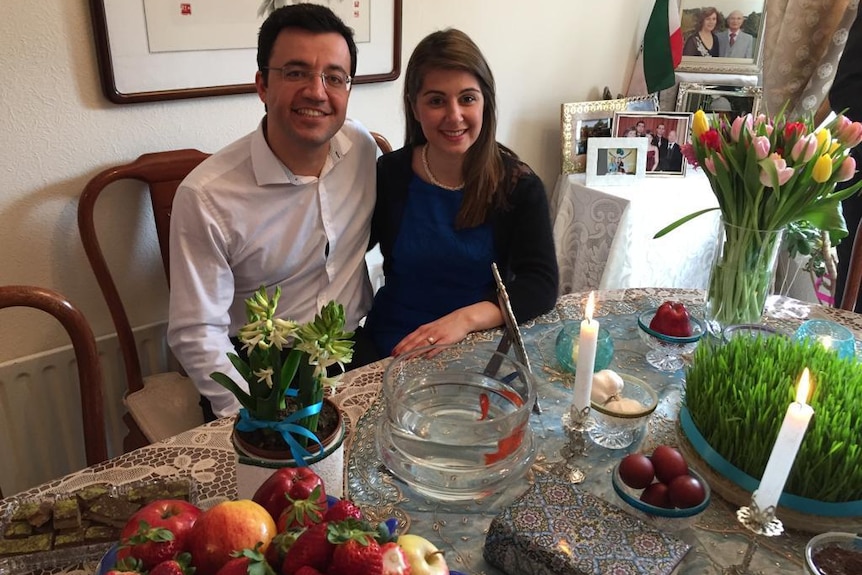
(57,131)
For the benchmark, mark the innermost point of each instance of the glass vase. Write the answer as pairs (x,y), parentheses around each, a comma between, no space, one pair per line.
(742,276)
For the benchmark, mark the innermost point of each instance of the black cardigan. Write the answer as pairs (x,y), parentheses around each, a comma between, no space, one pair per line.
(522,234)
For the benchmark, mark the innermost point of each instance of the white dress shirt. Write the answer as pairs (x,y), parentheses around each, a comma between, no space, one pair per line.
(242,219)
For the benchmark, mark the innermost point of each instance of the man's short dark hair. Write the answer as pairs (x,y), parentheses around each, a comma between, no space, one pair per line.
(313,18)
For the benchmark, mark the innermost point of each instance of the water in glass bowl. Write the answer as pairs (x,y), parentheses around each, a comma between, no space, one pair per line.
(453,431)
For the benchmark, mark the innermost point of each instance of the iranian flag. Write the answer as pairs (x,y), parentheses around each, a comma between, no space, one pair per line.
(660,51)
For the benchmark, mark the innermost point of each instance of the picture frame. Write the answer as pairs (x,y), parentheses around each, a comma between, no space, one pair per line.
(665,133)
(746,54)
(730,101)
(615,161)
(131,72)
(580,121)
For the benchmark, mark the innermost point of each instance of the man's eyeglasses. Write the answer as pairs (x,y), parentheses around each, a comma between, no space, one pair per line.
(333,81)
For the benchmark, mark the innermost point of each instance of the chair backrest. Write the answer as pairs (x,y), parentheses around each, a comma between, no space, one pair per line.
(854,273)
(382,142)
(86,357)
(162,172)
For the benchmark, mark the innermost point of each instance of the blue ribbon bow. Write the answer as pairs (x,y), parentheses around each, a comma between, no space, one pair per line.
(287,427)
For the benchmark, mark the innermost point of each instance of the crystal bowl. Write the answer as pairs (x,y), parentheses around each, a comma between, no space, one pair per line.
(615,428)
(667,518)
(457,421)
(667,350)
(842,550)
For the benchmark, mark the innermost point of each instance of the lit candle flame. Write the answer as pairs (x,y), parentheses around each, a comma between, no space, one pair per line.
(826,341)
(591,304)
(803,387)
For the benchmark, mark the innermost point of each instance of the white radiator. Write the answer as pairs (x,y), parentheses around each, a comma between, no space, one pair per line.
(41,435)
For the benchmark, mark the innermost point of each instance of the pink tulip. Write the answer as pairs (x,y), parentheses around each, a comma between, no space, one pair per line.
(774,166)
(851,135)
(847,169)
(804,148)
(709,164)
(761,146)
(738,123)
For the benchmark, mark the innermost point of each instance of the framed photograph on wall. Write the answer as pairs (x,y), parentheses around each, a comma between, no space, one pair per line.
(615,161)
(581,121)
(664,134)
(723,36)
(151,50)
(730,101)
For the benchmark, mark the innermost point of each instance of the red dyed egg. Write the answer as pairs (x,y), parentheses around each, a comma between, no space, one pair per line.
(686,491)
(668,463)
(636,470)
(657,495)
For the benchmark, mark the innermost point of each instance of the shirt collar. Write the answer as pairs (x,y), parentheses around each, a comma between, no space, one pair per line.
(268,169)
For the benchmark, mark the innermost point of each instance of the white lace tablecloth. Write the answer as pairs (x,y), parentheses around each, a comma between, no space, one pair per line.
(604,235)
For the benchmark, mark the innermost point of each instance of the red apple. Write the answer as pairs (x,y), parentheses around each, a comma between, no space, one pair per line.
(297,482)
(671,318)
(228,527)
(145,532)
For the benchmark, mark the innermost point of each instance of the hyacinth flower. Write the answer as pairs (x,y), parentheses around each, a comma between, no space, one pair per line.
(286,384)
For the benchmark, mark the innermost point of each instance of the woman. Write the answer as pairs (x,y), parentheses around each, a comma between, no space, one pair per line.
(704,41)
(451,202)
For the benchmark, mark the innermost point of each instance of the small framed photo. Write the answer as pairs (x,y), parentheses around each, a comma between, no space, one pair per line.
(615,161)
(581,121)
(664,134)
(729,101)
(722,38)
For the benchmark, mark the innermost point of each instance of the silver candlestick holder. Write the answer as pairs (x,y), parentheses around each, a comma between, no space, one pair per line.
(577,425)
(761,522)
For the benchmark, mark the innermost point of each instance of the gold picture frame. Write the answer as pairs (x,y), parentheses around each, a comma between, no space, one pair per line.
(581,121)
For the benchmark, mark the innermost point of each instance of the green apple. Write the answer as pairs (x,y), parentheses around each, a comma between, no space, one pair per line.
(424,557)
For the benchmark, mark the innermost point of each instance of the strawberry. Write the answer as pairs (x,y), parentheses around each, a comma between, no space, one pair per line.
(246,562)
(127,566)
(179,566)
(279,545)
(395,560)
(302,512)
(151,545)
(341,510)
(311,548)
(308,570)
(356,550)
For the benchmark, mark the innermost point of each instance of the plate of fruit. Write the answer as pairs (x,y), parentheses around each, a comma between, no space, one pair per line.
(289,527)
(671,331)
(661,484)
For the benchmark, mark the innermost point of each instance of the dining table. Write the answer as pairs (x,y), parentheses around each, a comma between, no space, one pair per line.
(718,542)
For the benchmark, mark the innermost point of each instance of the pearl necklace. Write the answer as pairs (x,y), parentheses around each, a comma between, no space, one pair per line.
(431,177)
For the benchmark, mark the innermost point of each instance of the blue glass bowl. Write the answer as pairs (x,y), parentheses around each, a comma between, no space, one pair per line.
(567,340)
(632,497)
(830,335)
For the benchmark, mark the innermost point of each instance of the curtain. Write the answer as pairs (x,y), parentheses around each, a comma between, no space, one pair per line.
(803,42)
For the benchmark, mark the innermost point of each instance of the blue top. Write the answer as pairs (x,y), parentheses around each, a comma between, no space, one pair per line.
(435,269)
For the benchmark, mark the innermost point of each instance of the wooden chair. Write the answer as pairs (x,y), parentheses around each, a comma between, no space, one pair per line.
(382,142)
(854,274)
(164,404)
(86,357)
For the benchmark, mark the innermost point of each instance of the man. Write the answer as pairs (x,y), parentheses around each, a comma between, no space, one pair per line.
(288,205)
(673,158)
(660,142)
(640,128)
(733,42)
(845,96)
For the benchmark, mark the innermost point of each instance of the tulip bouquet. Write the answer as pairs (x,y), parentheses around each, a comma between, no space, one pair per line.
(766,174)
(286,385)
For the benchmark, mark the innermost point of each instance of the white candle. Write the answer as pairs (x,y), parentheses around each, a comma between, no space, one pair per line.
(587,343)
(786,446)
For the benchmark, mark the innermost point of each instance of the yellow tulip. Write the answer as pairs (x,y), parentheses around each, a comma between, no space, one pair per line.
(835,145)
(699,124)
(822,169)
(824,139)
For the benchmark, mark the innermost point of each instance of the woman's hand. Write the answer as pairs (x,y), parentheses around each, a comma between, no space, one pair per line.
(452,327)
